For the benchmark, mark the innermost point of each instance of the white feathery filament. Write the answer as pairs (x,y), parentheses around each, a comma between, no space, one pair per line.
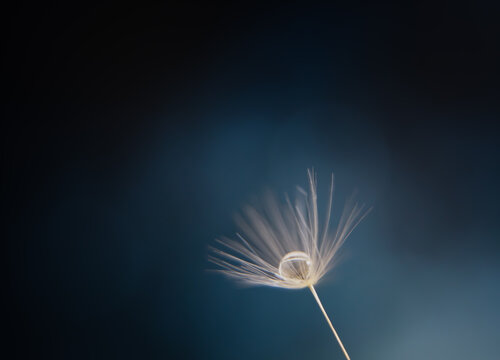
(282,246)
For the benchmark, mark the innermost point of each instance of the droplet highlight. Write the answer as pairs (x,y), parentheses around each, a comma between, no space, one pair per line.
(295,266)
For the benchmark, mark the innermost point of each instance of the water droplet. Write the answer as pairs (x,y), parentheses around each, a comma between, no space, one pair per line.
(295,265)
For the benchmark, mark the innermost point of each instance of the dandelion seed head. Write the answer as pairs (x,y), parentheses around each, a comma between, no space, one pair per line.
(284,245)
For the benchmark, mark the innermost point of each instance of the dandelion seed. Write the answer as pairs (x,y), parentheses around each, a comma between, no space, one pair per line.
(283,245)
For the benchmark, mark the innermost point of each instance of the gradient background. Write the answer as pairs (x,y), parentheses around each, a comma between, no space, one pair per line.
(132,134)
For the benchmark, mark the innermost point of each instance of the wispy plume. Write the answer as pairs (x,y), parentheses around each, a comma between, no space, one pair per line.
(283,245)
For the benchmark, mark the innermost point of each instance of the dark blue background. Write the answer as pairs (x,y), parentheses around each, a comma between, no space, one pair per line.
(132,134)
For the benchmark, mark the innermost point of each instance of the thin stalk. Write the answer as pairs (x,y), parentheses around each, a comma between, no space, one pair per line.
(328,320)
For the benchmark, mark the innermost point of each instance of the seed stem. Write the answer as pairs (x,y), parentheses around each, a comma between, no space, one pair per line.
(328,320)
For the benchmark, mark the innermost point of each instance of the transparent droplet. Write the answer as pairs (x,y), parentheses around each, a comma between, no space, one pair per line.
(295,265)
